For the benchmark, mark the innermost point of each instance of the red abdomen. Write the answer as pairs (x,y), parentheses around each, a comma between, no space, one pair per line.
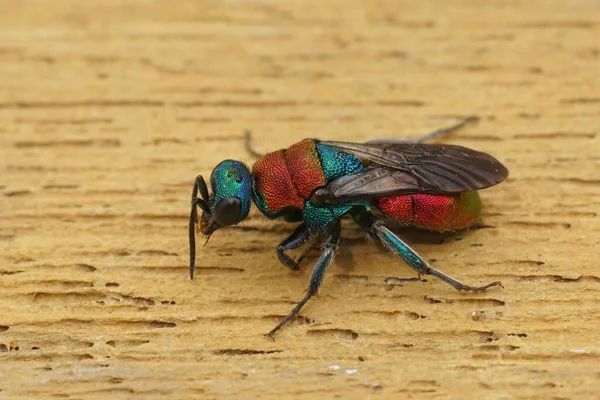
(431,211)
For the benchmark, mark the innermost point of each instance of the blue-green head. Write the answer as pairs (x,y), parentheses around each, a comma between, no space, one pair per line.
(228,204)
(231,197)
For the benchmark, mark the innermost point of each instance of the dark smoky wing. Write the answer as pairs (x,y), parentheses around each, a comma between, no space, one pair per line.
(372,183)
(406,168)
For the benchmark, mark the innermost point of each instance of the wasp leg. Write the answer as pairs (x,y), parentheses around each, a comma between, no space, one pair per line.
(248,144)
(429,136)
(443,131)
(393,243)
(310,247)
(318,273)
(298,238)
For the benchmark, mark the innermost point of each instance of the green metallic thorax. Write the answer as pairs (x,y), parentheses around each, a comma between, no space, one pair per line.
(284,180)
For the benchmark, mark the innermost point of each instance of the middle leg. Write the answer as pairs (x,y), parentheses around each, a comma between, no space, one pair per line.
(318,273)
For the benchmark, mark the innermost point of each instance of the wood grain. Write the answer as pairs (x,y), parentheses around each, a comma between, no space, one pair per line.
(109,109)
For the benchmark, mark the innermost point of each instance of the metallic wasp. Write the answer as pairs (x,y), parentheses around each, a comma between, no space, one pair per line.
(315,183)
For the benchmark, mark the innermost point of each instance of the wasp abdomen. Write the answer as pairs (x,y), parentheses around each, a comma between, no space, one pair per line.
(434,212)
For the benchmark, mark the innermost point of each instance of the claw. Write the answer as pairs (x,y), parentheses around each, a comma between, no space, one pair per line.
(271,335)
(480,288)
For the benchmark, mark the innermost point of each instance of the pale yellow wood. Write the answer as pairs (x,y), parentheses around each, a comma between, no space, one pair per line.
(108,110)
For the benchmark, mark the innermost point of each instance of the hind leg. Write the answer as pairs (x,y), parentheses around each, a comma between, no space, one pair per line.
(375,229)
(429,136)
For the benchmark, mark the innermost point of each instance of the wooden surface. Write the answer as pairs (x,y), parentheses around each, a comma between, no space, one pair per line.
(109,109)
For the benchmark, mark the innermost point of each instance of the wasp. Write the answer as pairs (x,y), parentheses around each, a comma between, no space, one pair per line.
(315,183)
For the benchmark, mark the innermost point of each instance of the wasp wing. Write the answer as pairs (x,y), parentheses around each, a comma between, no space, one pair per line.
(405,168)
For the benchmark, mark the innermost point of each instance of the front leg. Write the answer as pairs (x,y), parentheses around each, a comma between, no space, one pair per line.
(393,243)
(298,238)
(318,273)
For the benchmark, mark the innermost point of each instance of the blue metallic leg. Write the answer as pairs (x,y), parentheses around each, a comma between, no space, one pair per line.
(318,273)
(298,238)
(393,243)
(429,136)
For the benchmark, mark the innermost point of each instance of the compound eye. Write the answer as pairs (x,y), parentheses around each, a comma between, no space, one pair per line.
(228,211)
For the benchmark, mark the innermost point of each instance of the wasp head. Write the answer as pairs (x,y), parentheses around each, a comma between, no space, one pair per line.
(228,204)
